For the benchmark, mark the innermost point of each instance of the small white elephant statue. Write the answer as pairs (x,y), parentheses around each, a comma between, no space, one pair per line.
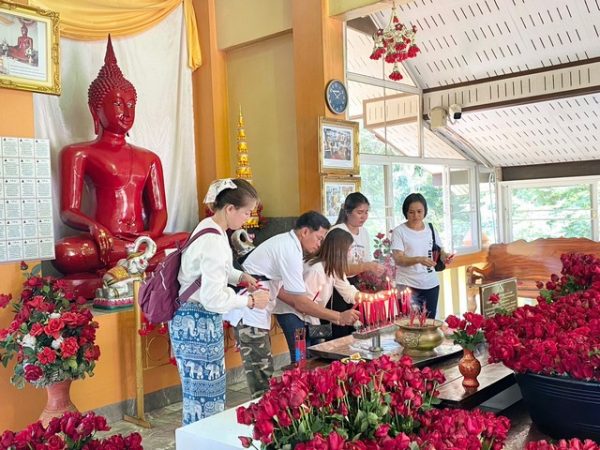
(117,282)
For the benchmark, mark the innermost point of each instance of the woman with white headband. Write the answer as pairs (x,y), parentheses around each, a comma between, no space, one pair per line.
(196,328)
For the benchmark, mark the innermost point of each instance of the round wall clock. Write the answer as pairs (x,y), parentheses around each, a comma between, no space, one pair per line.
(336,96)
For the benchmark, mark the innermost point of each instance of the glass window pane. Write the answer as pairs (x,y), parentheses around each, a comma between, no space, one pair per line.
(553,211)
(358,93)
(373,187)
(487,206)
(462,215)
(408,178)
(436,148)
(359,47)
(402,140)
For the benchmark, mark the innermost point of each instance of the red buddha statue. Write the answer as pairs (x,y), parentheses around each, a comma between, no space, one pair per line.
(24,43)
(127,183)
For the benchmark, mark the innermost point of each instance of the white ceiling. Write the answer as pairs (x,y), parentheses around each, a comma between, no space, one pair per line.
(466,40)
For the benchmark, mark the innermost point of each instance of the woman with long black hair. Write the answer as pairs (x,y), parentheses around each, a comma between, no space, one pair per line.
(353,215)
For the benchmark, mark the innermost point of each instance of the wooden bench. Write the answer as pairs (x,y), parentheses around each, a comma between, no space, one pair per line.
(528,262)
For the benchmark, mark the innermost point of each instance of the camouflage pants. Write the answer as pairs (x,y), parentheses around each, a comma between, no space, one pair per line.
(255,348)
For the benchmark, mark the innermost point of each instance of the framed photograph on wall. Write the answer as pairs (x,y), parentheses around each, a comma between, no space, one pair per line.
(334,191)
(338,147)
(29,49)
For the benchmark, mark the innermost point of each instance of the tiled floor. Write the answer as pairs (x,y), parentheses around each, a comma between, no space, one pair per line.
(164,422)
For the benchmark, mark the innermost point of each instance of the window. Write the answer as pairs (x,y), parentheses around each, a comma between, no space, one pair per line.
(488,207)
(541,211)
(399,156)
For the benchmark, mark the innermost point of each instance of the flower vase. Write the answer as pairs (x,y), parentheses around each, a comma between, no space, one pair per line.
(59,401)
(470,368)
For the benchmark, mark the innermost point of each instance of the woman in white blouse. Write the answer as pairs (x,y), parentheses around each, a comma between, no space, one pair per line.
(353,215)
(327,269)
(196,328)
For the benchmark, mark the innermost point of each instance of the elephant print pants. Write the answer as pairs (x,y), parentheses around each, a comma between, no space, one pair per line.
(197,341)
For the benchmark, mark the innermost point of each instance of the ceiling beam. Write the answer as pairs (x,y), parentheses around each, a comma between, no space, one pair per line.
(568,80)
(553,83)
(351,9)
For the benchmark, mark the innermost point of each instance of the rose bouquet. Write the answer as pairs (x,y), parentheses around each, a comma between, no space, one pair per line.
(72,431)
(370,282)
(51,335)
(381,404)
(468,332)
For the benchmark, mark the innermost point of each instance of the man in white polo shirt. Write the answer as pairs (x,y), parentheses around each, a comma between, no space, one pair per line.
(280,260)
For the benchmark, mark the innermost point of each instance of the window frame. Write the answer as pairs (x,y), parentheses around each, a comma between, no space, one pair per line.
(505,200)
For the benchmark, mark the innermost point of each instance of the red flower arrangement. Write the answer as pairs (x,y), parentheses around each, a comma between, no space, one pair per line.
(72,431)
(558,338)
(51,335)
(381,404)
(395,43)
(563,444)
(468,332)
(370,282)
(579,272)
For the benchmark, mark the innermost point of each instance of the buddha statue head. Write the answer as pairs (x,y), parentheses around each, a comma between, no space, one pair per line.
(111,97)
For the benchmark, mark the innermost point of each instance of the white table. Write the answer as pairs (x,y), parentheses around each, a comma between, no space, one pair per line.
(218,432)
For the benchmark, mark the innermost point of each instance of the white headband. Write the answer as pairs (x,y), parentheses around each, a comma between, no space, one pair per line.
(216,187)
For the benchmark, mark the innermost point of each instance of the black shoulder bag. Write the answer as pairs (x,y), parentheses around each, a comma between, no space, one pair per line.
(437,250)
(321,331)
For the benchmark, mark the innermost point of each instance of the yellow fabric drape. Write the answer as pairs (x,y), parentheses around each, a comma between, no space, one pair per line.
(89,20)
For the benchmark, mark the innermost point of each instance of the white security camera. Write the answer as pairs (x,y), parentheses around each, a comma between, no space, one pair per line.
(455,111)
(438,117)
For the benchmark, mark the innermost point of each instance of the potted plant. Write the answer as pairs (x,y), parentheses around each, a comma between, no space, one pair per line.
(467,333)
(51,337)
(554,347)
(380,404)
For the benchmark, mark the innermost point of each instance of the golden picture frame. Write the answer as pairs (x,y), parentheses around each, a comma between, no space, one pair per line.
(334,190)
(29,49)
(338,147)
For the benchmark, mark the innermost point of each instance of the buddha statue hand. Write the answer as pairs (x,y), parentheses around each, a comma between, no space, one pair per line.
(104,240)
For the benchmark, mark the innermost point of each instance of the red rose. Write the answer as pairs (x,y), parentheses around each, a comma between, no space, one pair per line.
(7,439)
(243,416)
(380,236)
(453,321)
(54,328)
(494,299)
(382,430)
(36,329)
(55,443)
(3,333)
(33,373)
(246,441)
(47,356)
(5,300)
(69,347)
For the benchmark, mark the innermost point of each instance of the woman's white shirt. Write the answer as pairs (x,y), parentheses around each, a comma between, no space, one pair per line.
(316,280)
(210,256)
(415,243)
(360,250)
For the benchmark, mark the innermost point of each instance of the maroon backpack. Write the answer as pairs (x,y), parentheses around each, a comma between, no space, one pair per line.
(159,296)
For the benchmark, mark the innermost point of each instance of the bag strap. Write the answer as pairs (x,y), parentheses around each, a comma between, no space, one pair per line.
(192,288)
(432,233)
